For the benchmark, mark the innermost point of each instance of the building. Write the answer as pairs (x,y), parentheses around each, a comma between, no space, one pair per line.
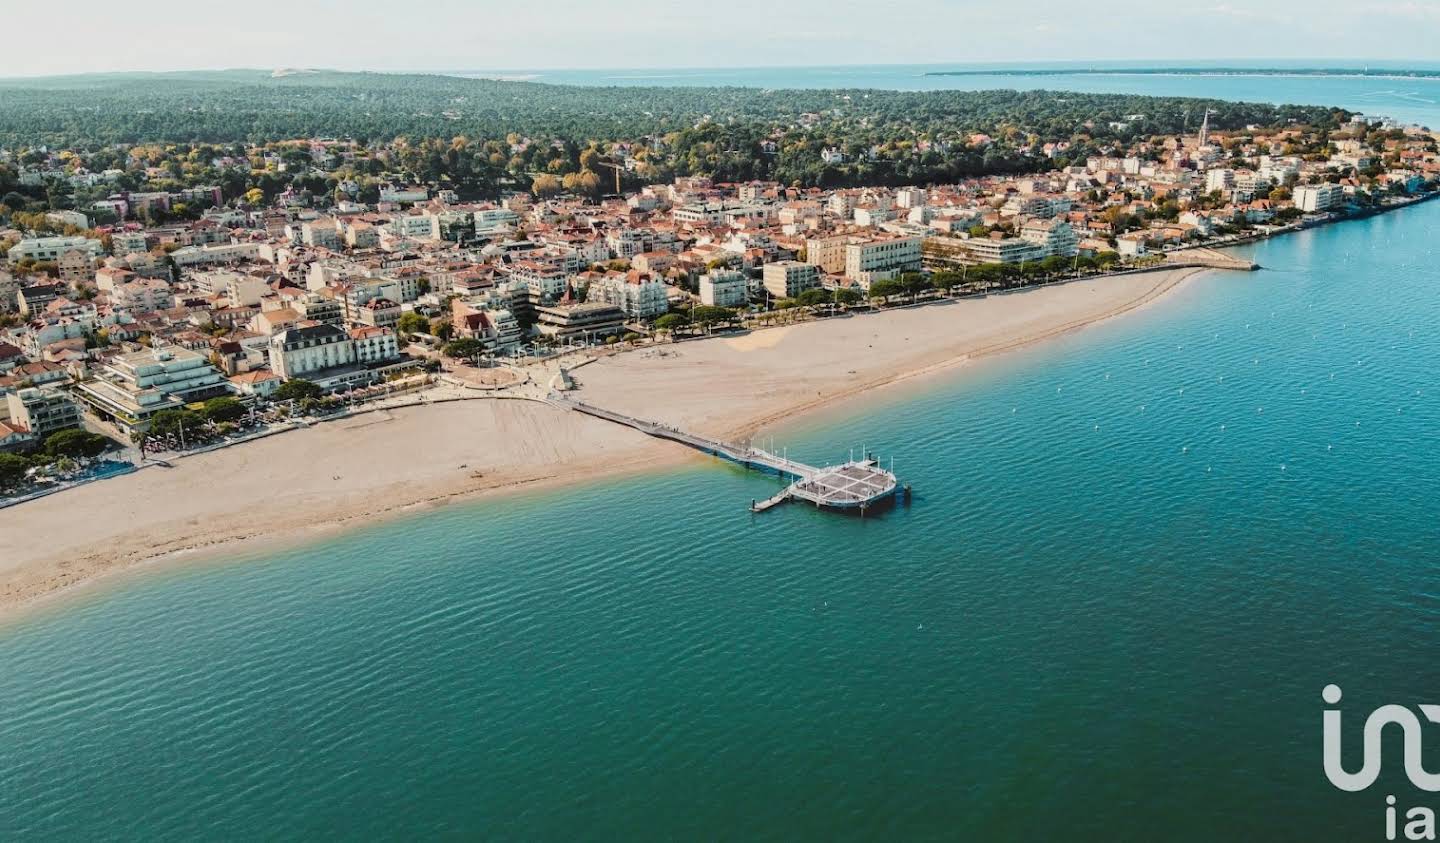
(725,288)
(300,351)
(403,195)
(362,235)
(322,233)
(1002,250)
(589,321)
(1132,245)
(374,346)
(828,253)
(42,411)
(36,297)
(38,249)
(639,295)
(133,387)
(545,282)
(379,313)
(788,279)
(74,218)
(128,242)
(490,322)
(317,308)
(9,292)
(143,295)
(875,260)
(1055,237)
(217,253)
(75,266)
(333,358)
(1319,198)
(1221,178)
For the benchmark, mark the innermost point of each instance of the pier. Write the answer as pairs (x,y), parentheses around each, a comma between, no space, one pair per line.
(856,485)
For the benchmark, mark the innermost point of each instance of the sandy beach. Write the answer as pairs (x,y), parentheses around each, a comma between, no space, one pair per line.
(309,483)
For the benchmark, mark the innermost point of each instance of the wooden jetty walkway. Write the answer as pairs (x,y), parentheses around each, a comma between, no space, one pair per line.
(855,485)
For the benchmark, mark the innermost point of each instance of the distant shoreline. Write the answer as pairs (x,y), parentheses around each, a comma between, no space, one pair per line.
(1318,72)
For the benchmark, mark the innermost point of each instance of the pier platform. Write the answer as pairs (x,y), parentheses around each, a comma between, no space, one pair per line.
(856,485)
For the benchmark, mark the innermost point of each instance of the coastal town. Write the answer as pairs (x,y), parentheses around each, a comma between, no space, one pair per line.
(156,318)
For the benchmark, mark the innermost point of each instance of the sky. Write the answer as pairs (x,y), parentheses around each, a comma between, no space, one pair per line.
(101,35)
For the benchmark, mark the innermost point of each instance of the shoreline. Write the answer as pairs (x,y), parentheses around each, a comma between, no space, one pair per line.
(123,533)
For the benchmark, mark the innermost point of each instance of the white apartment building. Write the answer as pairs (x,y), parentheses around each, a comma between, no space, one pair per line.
(42,411)
(216,254)
(374,345)
(641,297)
(402,195)
(1222,179)
(1007,250)
(51,248)
(1054,236)
(1318,198)
(300,351)
(362,235)
(876,260)
(787,279)
(322,233)
(410,225)
(126,242)
(492,219)
(74,218)
(909,197)
(143,295)
(133,387)
(332,357)
(725,288)
(706,213)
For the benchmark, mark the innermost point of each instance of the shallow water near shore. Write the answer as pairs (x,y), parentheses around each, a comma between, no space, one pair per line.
(1135,555)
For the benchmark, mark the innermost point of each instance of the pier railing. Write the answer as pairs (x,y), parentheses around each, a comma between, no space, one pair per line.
(743,454)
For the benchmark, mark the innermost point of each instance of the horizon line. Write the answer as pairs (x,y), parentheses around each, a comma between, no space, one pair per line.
(1022,64)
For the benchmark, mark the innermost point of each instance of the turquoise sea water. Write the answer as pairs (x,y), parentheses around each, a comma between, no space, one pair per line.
(1107,614)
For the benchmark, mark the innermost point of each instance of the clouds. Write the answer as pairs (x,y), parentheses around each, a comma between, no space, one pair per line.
(485,34)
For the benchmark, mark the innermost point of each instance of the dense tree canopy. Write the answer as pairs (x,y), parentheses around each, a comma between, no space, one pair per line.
(483,135)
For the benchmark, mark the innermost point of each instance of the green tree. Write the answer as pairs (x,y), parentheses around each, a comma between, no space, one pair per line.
(707,314)
(298,389)
(464,349)
(671,322)
(815,297)
(885,289)
(12,470)
(223,409)
(182,424)
(413,323)
(75,444)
